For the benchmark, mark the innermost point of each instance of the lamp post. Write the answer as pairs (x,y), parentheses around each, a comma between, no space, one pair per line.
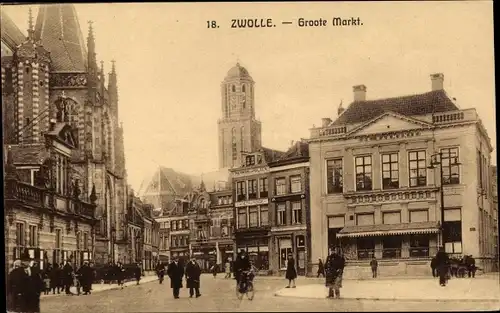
(437,163)
(113,236)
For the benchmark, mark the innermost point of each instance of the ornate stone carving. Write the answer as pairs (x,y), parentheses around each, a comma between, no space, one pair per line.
(68,80)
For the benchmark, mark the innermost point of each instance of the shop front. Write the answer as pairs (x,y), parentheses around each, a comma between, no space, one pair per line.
(258,252)
(206,256)
(182,254)
(226,251)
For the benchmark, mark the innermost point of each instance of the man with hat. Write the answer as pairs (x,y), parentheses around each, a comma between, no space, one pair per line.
(175,272)
(241,264)
(86,275)
(193,273)
(334,268)
(17,282)
(67,277)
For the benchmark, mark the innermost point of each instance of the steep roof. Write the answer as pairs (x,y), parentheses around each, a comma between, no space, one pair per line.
(420,104)
(11,34)
(58,28)
(166,179)
(271,155)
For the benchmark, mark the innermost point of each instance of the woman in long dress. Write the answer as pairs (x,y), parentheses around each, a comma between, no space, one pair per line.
(291,272)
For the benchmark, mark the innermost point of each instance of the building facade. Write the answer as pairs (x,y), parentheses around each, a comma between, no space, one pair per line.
(250,183)
(494,199)
(67,84)
(222,225)
(376,182)
(289,211)
(46,219)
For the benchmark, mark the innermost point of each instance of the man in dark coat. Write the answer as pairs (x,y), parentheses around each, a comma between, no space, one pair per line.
(33,288)
(193,273)
(86,275)
(55,279)
(374,266)
(291,272)
(241,264)
(67,277)
(442,262)
(334,268)
(17,281)
(434,267)
(138,273)
(175,272)
(160,271)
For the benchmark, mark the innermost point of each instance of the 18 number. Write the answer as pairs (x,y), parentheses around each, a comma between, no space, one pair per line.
(212,24)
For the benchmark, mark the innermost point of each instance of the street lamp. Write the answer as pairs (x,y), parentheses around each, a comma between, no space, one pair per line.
(113,236)
(437,163)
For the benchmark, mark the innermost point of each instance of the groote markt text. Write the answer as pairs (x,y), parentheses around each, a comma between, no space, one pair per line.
(300,22)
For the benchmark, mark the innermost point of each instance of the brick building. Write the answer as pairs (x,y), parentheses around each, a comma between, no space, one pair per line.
(289,210)
(221,217)
(47,76)
(373,193)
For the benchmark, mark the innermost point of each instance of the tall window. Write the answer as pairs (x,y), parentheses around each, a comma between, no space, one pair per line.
(390,171)
(20,235)
(85,241)
(78,241)
(252,189)
(334,175)
(295,184)
(174,225)
(281,214)
(363,173)
(253,216)
(240,191)
(418,168)
(242,217)
(296,212)
(280,186)
(451,172)
(263,187)
(285,246)
(264,216)
(234,150)
(57,250)
(33,236)
(452,230)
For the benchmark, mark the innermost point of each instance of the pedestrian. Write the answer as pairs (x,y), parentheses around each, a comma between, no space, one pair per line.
(77,282)
(86,274)
(55,279)
(175,272)
(17,281)
(334,268)
(240,265)
(321,268)
(213,269)
(160,271)
(374,266)
(193,273)
(434,267)
(46,278)
(291,272)
(120,274)
(138,273)
(442,262)
(34,287)
(227,268)
(67,277)
(471,266)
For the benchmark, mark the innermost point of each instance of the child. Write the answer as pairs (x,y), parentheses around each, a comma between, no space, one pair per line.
(46,281)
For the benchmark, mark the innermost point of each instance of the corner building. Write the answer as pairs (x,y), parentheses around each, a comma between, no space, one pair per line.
(373,193)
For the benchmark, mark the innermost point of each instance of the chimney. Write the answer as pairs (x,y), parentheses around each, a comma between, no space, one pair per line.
(359,92)
(437,81)
(325,121)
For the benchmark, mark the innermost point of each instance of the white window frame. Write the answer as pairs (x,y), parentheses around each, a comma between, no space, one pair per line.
(280,188)
(281,214)
(296,212)
(294,181)
(263,208)
(284,247)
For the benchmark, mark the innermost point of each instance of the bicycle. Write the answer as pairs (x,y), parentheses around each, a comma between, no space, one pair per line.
(245,286)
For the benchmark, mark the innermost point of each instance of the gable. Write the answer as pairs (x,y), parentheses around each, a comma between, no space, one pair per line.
(64,134)
(389,122)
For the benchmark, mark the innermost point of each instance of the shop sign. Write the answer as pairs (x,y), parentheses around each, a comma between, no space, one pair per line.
(251,202)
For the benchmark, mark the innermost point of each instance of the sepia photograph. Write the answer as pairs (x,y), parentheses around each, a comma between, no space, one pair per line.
(249,156)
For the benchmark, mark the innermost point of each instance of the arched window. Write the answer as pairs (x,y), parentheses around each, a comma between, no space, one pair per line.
(243,88)
(233,88)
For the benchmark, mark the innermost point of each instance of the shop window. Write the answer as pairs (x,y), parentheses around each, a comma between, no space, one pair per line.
(419,246)
(366,248)
(391,247)
(285,248)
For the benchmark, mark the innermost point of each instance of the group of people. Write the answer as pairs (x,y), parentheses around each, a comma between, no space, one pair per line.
(26,282)
(456,267)
(117,272)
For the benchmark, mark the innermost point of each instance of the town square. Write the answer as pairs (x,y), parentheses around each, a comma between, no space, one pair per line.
(156,159)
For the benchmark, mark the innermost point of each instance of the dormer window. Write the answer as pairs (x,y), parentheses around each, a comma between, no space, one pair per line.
(250,160)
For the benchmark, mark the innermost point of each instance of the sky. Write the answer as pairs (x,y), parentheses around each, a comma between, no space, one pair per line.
(170,67)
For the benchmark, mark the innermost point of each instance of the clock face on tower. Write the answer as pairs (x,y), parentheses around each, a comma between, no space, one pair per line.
(233,101)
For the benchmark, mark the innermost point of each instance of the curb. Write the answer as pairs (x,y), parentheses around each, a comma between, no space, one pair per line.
(392,299)
(114,287)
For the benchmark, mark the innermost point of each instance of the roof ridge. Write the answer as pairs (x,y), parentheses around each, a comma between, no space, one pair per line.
(402,96)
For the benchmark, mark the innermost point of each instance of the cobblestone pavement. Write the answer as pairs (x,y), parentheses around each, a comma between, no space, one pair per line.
(218,295)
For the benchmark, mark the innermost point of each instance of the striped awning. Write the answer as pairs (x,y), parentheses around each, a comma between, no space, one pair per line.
(388,230)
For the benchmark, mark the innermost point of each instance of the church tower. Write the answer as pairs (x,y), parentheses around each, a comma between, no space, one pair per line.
(239,131)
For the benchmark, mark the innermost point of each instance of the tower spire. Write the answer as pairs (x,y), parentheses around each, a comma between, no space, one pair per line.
(92,63)
(31,30)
